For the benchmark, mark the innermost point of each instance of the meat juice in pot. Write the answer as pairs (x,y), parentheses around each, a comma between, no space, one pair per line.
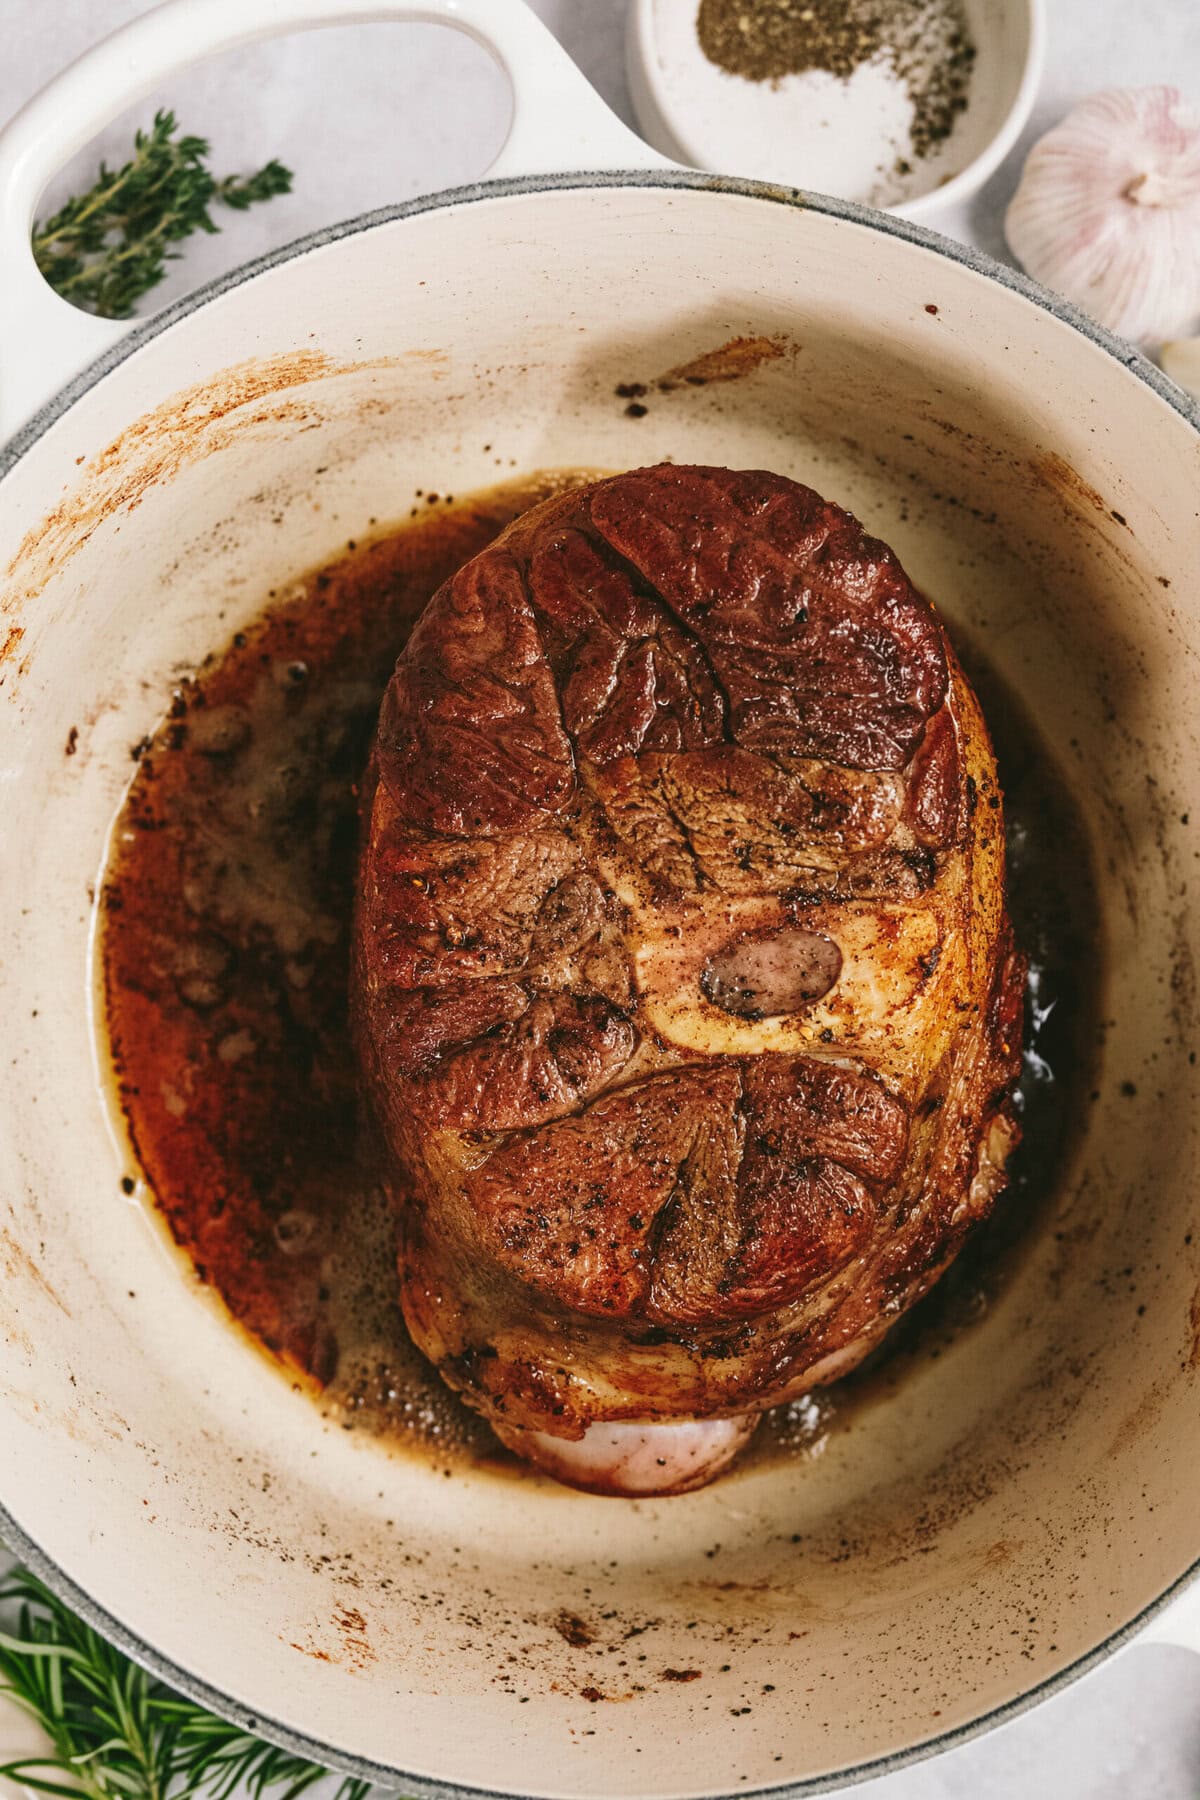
(226,939)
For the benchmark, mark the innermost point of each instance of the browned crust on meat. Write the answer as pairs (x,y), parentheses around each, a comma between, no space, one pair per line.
(662,715)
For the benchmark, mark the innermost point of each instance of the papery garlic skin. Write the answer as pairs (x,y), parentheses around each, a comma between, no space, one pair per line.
(1108,212)
(1181,361)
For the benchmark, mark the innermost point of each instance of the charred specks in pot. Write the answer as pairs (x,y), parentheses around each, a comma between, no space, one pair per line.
(574,1630)
(226,931)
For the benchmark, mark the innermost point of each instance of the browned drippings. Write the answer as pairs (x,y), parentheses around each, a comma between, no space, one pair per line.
(227,918)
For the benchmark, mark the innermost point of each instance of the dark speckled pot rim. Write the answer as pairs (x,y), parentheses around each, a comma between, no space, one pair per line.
(388,1775)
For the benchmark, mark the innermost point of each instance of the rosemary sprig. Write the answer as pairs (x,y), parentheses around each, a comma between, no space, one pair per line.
(106,248)
(117,1733)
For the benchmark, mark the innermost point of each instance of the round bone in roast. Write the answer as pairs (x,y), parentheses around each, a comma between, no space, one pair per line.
(685,988)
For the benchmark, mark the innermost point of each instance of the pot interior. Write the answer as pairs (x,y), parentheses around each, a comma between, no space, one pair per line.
(1017,1499)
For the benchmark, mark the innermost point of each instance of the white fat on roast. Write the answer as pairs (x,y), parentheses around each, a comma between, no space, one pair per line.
(637,1458)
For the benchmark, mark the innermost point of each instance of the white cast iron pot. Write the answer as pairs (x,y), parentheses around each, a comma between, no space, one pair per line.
(1021,1503)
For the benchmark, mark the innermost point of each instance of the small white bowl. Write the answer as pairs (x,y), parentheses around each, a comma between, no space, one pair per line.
(819,132)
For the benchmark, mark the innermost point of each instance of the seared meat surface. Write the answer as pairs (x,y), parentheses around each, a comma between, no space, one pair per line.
(685,987)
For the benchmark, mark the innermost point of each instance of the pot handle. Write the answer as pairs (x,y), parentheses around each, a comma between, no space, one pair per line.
(559,121)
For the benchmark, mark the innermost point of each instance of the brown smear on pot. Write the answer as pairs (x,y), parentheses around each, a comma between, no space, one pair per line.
(16,1265)
(1081,497)
(192,424)
(728,362)
(1194,1331)
(226,914)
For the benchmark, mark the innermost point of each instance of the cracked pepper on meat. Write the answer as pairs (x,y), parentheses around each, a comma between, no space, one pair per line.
(686,992)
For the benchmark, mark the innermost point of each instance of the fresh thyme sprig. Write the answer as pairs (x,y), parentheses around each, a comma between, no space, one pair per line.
(106,248)
(118,1733)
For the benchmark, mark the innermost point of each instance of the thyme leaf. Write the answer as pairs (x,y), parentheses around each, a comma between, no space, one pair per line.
(107,247)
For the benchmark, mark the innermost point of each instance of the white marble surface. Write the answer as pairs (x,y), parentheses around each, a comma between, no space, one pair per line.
(373,114)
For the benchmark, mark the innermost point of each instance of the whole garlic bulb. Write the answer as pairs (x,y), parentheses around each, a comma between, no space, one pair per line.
(1108,211)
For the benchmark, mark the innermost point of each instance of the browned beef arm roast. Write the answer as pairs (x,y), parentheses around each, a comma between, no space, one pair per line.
(686,993)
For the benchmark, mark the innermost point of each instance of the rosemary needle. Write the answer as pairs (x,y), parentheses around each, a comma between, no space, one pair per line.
(107,247)
(117,1733)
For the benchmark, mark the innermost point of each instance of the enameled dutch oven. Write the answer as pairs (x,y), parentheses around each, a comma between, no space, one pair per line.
(1020,1504)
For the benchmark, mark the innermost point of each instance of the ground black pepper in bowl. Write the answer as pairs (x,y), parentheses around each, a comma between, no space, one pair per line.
(926,43)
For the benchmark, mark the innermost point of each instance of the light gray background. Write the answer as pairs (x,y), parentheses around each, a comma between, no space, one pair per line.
(373,114)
